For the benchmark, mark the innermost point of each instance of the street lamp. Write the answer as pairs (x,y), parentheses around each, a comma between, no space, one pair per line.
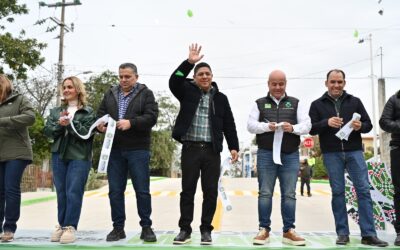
(373,95)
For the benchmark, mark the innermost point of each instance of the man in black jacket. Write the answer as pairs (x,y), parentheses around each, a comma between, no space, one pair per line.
(134,108)
(204,118)
(328,114)
(390,122)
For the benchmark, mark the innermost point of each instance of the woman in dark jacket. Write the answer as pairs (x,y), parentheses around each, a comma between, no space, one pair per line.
(71,156)
(16,115)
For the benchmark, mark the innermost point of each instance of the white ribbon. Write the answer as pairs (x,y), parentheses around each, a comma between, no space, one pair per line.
(103,119)
(276,147)
(107,143)
(348,128)
(226,203)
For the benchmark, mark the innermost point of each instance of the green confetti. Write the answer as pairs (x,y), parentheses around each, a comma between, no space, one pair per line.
(189,13)
(355,34)
(178,73)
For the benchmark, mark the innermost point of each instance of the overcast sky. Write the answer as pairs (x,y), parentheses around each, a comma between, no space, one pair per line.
(243,41)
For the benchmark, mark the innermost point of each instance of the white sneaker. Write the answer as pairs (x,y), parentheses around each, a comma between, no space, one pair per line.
(56,235)
(68,235)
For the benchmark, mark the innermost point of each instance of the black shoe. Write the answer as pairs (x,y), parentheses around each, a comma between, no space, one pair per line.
(116,234)
(302,194)
(182,238)
(309,195)
(373,241)
(342,240)
(206,238)
(397,240)
(148,235)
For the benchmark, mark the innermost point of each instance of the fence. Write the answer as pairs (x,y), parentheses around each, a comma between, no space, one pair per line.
(35,178)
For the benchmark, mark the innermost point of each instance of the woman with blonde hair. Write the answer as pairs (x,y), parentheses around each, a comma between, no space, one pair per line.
(71,155)
(16,115)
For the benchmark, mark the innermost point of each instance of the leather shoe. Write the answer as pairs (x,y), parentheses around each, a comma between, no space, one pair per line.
(373,241)
(148,235)
(206,238)
(182,238)
(397,240)
(116,234)
(342,240)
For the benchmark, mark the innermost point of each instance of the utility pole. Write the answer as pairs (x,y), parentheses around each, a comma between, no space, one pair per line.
(373,99)
(384,137)
(63,27)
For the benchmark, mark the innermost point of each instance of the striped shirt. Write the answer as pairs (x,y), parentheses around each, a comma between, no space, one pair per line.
(200,129)
(124,100)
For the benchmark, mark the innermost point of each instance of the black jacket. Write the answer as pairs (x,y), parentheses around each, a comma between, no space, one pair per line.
(323,108)
(390,119)
(189,94)
(142,112)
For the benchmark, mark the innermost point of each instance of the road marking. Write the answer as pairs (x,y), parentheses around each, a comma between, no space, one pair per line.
(217,220)
(234,193)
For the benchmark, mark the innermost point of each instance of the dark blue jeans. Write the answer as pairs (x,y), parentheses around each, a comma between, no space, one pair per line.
(137,163)
(10,193)
(268,172)
(70,178)
(353,161)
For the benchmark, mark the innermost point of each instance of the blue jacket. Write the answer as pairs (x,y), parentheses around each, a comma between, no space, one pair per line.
(189,94)
(323,108)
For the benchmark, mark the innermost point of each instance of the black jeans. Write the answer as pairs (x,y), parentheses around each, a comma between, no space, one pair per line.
(395,169)
(199,158)
(307,182)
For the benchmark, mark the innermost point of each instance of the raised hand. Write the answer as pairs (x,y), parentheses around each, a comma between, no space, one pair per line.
(194,53)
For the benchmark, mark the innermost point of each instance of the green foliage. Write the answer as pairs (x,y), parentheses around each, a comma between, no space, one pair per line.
(94,180)
(368,155)
(95,87)
(10,7)
(168,111)
(40,143)
(319,169)
(162,151)
(162,144)
(17,54)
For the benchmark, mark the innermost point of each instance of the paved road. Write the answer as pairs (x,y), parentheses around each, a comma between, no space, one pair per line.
(313,213)
(235,228)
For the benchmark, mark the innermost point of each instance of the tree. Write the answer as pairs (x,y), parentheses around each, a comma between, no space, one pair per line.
(167,111)
(17,53)
(40,91)
(95,87)
(40,143)
(162,144)
(162,152)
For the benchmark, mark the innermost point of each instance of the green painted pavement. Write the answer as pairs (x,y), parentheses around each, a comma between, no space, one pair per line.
(38,200)
(35,239)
